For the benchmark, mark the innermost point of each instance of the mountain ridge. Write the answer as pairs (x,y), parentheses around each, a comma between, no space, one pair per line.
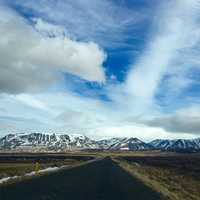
(70,142)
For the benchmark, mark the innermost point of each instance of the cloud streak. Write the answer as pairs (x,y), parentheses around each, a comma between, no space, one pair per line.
(174,34)
(102,21)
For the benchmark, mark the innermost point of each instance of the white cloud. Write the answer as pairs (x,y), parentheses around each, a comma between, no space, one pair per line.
(48,29)
(174,35)
(185,120)
(142,132)
(94,118)
(60,112)
(31,101)
(30,61)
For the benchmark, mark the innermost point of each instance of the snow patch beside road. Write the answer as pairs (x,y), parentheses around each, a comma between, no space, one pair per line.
(33,173)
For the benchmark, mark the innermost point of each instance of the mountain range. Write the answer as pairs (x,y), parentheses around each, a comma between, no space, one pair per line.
(43,142)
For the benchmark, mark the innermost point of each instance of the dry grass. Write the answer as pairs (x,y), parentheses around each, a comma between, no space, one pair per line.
(20,164)
(15,169)
(20,169)
(172,184)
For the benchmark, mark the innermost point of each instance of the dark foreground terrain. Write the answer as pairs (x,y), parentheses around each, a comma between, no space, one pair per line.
(98,180)
(19,164)
(176,176)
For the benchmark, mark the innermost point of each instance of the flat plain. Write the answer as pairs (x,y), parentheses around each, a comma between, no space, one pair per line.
(103,175)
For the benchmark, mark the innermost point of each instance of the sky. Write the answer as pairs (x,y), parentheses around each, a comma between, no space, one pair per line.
(101,68)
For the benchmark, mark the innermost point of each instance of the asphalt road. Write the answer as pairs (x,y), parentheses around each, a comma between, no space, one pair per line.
(99,180)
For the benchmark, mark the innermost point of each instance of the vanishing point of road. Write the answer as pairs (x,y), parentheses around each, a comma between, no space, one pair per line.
(98,180)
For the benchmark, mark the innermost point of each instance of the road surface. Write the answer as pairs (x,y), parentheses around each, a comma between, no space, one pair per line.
(99,180)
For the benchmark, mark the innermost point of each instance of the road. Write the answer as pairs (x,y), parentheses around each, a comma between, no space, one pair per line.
(99,180)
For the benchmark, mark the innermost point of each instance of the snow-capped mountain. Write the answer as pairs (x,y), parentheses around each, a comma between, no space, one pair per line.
(127,144)
(107,143)
(41,141)
(176,145)
(131,144)
(65,142)
(161,144)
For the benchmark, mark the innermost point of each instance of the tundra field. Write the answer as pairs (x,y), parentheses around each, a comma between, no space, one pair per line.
(103,175)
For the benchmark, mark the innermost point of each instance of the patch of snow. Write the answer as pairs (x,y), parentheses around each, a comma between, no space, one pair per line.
(136,164)
(124,148)
(33,173)
(6,179)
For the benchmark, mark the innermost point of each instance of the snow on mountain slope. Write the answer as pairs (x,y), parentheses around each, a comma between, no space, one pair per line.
(161,144)
(179,144)
(130,144)
(65,142)
(46,141)
(123,144)
(107,143)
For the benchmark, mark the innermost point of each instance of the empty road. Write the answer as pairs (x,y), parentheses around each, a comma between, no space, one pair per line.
(99,180)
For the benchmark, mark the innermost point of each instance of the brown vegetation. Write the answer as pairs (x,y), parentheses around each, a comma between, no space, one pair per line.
(20,164)
(177,177)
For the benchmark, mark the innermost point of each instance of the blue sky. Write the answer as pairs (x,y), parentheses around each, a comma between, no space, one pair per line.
(102,68)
